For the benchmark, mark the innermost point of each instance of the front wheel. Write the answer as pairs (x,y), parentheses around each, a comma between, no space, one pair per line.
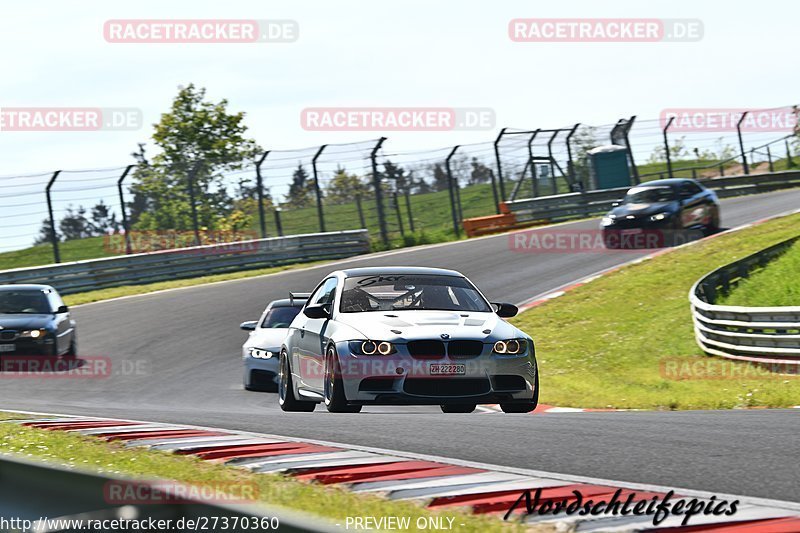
(72,352)
(335,399)
(286,398)
(524,407)
(458,407)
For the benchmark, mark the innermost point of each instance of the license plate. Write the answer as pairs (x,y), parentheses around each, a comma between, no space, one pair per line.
(448,370)
(633,231)
(7,347)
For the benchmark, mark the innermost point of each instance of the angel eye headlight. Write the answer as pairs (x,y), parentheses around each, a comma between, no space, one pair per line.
(368,347)
(510,347)
(258,353)
(372,347)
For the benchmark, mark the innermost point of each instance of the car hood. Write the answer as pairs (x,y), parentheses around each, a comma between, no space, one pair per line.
(644,209)
(403,326)
(24,321)
(270,338)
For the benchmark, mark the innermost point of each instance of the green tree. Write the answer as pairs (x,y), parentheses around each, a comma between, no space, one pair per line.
(198,138)
(302,192)
(344,187)
(480,173)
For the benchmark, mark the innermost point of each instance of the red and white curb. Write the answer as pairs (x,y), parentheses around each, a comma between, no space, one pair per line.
(435,482)
(544,409)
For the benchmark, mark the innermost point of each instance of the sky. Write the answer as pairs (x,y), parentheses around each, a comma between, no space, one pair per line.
(355,53)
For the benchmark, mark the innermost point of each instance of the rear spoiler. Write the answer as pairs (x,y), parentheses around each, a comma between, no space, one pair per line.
(298,296)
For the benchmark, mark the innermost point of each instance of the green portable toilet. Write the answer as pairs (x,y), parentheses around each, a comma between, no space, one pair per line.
(609,167)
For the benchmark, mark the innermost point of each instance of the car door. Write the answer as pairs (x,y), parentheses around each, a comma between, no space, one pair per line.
(303,340)
(314,339)
(693,208)
(63,323)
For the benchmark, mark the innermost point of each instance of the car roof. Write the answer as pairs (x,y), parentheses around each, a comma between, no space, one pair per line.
(664,182)
(389,270)
(286,302)
(26,287)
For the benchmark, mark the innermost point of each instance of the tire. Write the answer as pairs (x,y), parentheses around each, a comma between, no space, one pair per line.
(458,407)
(524,407)
(335,398)
(286,398)
(713,226)
(72,352)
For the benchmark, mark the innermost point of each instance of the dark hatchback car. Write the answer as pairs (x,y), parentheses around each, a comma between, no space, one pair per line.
(35,321)
(666,211)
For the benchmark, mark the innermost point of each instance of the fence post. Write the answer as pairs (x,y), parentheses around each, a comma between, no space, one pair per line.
(260,195)
(399,215)
(278,225)
(570,165)
(408,209)
(453,209)
(360,211)
(666,146)
(499,171)
(318,190)
(552,166)
(741,142)
(190,179)
(53,234)
(630,150)
(125,226)
(533,164)
(769,159)
(376,182)
(789,162)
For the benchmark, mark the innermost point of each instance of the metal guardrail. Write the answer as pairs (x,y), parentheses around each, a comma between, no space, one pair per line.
(32,491)
(760,334)
(81,276)
(586,204)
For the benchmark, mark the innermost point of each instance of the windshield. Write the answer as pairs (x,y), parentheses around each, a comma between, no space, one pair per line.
(280,317)
(650,195)
(24,302)
(411,292)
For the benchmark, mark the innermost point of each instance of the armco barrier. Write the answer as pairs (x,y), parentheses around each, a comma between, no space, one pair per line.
(80,276)
(759,334)
(31,491)
(585,204)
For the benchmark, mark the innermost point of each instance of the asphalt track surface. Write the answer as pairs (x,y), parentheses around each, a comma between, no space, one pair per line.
(176,358)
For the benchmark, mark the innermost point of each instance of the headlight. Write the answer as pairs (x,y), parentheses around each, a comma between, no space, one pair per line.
(33,334)
(372,347)
(510,347)
(258,353)
(607,221)
(659,216)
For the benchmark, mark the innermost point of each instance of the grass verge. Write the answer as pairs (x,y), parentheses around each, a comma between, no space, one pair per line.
(327,501)
(626,340)
(777,285)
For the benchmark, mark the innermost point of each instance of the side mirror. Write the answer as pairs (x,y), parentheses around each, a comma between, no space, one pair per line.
(250,325)
(62,309)
(316,311)
(505,310)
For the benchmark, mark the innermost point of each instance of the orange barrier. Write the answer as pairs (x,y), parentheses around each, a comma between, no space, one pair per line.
(494,223)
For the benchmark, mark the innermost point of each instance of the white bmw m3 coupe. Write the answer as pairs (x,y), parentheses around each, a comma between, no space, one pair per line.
(408,336)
